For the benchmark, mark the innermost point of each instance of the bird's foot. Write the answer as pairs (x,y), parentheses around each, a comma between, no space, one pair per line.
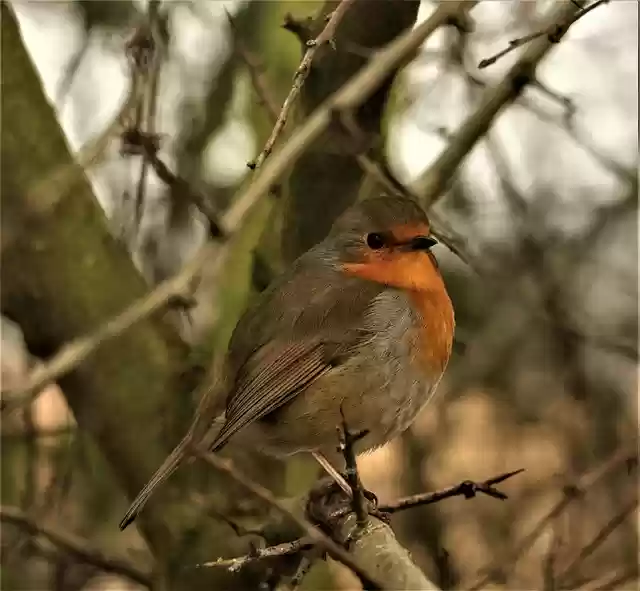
(335,512)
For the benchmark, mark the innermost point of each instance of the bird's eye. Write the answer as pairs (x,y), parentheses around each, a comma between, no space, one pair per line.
(375,241)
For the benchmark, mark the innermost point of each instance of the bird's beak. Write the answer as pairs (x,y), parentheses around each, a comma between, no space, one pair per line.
(422,243)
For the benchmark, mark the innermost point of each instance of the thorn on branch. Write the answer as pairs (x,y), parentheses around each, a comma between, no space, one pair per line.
(467,488)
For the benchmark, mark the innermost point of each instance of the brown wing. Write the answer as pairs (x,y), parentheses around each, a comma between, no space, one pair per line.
(275,377)
(301,328)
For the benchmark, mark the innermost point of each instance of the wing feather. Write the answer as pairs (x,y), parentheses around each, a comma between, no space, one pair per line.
(278,381)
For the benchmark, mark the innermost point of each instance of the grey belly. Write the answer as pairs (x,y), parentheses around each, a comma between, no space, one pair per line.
(373,390)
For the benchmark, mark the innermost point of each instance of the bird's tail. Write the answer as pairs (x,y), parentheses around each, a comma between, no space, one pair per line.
(168,467)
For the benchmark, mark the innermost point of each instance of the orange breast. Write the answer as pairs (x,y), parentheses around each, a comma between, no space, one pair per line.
(435,333)
(416,274)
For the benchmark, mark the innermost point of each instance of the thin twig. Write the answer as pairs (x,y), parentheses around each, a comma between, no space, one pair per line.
(554,33)
(617,520)
(149,76)
(179,184)
(79,548)
(315,534)
(467,489)
(623,457)
(286,549)
(300,75)
(351,95)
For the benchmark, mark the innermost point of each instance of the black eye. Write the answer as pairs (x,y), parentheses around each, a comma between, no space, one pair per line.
(375,241)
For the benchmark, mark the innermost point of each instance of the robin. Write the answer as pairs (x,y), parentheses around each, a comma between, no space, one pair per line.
(359,329)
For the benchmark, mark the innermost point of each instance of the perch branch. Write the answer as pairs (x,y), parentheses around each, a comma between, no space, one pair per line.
(337,552)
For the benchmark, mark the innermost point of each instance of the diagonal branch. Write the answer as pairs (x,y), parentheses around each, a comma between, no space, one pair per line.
(76,546)
(355,92)
(326,36)
(434,181)
(77,351)
(625,456)
(335,551)
(553,33)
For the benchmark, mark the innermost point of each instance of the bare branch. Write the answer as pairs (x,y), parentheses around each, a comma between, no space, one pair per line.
(286,549)
(351,95)
(618,519)
(300,75)
(78,547)
(553,33)
(256,71)
(468,489)
(625,456)
(74,353)
(493,100)
(338,553)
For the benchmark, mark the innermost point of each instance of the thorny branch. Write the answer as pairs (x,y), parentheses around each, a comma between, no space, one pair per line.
(333,549)
(361,508)
(553,33)
(75,546)
(300,75)
(468,489)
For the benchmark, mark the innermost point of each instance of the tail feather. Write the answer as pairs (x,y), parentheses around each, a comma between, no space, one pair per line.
(168,467)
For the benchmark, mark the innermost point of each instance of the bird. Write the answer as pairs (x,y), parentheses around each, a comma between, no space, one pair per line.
(358,331)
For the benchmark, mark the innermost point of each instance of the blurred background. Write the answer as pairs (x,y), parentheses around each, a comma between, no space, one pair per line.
(544,209)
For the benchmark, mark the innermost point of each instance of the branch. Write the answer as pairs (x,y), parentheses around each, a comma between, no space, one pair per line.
(76,352)
(355,92)
(78,547)
(326,36)
(434,181)
(286,549)
(618,519)
(623,457)
(553,33)
(256,72)
(468,489)
(335,551)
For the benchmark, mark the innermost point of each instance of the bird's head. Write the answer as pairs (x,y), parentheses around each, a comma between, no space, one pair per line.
(387,240)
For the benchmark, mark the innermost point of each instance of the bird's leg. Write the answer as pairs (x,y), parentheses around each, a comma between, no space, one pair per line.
(331,471)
